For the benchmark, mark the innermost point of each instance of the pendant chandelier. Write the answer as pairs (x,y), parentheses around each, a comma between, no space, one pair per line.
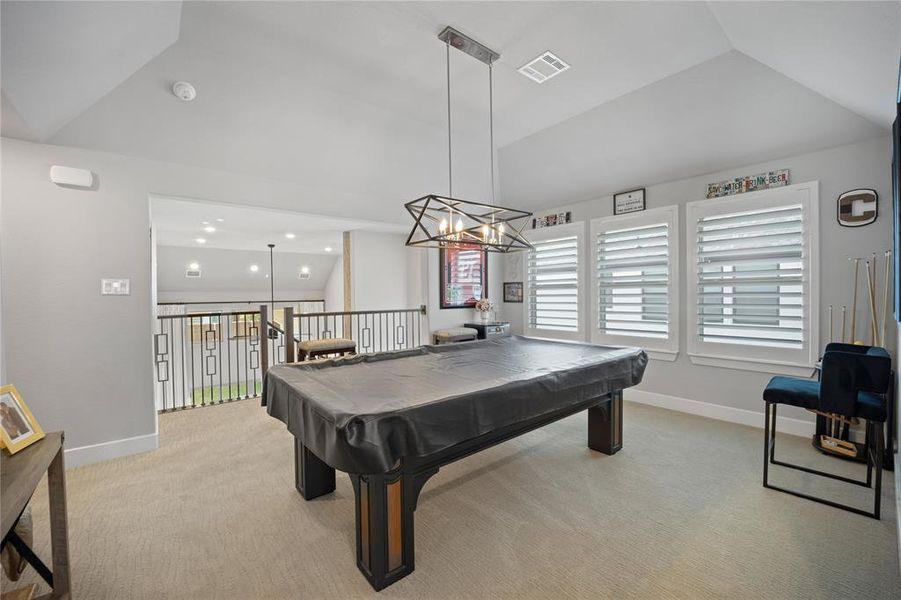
(446,222)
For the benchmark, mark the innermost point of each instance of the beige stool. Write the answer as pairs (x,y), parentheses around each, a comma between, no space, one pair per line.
(311,349)
(455,334)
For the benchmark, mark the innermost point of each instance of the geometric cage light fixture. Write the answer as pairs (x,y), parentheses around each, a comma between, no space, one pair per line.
(442,221)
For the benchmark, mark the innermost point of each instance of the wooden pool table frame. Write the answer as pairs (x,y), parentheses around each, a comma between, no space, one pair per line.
(385,502)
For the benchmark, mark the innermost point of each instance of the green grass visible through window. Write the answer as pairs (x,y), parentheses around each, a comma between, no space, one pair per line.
(235,391)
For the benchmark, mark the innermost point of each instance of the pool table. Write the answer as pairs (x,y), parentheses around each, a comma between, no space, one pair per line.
(391,420)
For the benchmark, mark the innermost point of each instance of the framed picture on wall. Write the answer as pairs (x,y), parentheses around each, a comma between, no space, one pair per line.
(627,202)
(464,276)
(513,291)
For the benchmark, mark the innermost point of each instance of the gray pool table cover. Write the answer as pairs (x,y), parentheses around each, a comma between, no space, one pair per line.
(364,413)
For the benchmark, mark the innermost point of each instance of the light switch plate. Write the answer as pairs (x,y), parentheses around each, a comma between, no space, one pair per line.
(115,287)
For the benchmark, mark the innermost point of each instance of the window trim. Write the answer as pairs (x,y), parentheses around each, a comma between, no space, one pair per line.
(656,348)
(751,358)
(549,233)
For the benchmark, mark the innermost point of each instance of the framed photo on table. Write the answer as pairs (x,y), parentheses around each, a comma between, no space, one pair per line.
(464,276)
(18,427)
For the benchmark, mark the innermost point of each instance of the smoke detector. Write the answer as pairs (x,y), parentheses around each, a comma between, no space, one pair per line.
(184,91)
(543,67)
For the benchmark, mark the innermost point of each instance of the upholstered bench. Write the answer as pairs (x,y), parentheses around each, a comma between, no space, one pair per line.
(455,334)
(311,349)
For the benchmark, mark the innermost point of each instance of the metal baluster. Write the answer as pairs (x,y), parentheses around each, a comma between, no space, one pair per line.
(184,383)
(206,363)
(219,355)
(192,362)
(171,354)
(228,348)
(262,330)
(245,334)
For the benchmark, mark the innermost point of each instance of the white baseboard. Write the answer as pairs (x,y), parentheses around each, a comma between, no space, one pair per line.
(719,412)
(86,455)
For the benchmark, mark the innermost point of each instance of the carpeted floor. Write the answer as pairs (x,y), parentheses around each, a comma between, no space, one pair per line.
(678,513)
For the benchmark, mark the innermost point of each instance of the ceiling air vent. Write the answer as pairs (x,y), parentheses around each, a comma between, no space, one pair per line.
(543,67)
(192,273)
(303,275)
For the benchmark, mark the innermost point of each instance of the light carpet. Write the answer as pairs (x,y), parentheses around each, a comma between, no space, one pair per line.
(678,513)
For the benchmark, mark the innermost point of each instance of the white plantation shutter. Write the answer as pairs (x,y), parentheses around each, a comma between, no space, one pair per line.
(750,277)
(633,281)
(753,297)
(552,275)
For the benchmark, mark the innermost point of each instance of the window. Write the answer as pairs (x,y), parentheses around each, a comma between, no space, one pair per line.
(463,276)
(553,282)
(636,285)
(753,298)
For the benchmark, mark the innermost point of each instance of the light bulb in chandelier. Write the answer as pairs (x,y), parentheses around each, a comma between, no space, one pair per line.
(442,228)
(459,225)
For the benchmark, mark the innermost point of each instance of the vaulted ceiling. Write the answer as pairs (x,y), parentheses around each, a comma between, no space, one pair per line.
(350,96)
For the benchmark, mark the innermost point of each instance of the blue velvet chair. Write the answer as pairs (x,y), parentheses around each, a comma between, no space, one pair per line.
(853,386)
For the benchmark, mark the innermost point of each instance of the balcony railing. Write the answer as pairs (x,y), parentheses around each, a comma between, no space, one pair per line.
(215,357)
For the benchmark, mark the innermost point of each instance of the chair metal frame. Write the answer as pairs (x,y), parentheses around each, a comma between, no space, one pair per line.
(874,443)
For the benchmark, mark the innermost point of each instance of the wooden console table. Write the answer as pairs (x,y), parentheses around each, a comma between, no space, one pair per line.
(19,476)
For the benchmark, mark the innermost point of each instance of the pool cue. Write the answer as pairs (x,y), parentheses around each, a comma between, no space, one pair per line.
(844,311)
(874,338)
(854,301)
(872,298)
(888,259)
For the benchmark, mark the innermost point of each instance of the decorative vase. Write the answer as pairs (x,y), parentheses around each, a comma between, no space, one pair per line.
(484,315)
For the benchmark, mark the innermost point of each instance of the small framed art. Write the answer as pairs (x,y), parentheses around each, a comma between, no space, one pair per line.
(513,291)
(18,427)
(628,202)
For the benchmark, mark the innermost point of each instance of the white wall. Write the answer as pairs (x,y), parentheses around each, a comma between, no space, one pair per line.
(865,164)
(333,294)
(226,274)
(83,362)
(378,270)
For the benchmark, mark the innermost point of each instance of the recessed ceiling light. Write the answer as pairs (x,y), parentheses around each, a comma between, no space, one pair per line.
(290,236)
(209,229)
(220,220)
(194,266)
(254,268)
(200,240)
(543,67)
(328,248)
(204,222)
(305,270)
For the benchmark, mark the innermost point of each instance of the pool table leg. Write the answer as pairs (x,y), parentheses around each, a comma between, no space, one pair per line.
(605,425)
(312,477)
(384,525)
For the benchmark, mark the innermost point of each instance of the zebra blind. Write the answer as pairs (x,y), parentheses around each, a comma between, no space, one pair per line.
(751,271)
(633,273)
(553,278)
